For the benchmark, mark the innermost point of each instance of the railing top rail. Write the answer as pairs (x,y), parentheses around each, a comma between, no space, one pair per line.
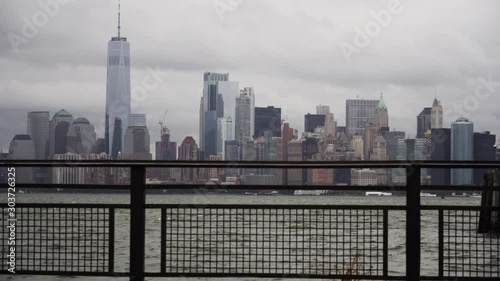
(251,164)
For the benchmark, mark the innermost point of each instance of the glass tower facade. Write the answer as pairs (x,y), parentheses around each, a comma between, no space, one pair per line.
(462,145)
(359,113)
(117,91)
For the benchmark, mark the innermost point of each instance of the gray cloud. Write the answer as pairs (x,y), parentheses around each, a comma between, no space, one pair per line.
(287,50)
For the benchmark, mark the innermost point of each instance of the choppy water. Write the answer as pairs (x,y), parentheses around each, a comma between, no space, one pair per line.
(396,224)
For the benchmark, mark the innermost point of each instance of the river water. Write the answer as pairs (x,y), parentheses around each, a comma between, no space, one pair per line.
(429,260)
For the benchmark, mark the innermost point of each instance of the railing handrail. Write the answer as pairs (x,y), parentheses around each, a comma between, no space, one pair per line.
(138,193)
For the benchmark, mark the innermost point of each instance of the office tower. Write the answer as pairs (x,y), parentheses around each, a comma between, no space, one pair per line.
(214,173)
(65,174)
(219,100)
(370,132)
(22,148)
(380,154)
(137,119)
(117,140)
(100,146)
(421,152)
(392,138)
(312,121)
(231,148)
(100,175)
(58,132)
(244,122)
(357,146)
(462,149)
(379,148)
(330,125)
(399,175)
(322,109)
(363,177)
(38,130)
(381,114)
(287,136)
(188,150)
(117,90)
(436,115)
(165,150)
(424,122)
(224,133)
(137,142)
(267,119)
(81,137)
(295,153)
(440,151)
(484,150)
(359,113)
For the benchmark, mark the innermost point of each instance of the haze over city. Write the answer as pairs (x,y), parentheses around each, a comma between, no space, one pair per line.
(289,52)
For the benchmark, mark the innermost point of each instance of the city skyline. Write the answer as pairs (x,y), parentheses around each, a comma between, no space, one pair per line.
(406,92)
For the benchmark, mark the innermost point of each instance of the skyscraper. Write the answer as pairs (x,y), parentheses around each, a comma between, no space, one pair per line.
(312,121)
(219,100)
(117,90)
(166,150)
(137,141)
(81,137)
(440,151)
(359,113)
(38,130)
(22,148)
(424,122)
(462,148)
(330,125)
(137,119)
(267,119)
(322,109)
(381,114)
(484,150)
(244,122)
(224,133)
(392,138)
(58,132)
(357,145)
(188,150)
(436,115)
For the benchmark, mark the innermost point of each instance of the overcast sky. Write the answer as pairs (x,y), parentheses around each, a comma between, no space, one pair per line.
(290,51)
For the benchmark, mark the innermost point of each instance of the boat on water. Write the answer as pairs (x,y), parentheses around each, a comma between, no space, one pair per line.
(377,193)
(310,192)
(425,194)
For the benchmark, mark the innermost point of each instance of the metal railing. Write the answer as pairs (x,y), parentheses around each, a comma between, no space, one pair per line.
(249,240)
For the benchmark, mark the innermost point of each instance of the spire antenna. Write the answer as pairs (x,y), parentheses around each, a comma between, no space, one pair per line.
(119,27)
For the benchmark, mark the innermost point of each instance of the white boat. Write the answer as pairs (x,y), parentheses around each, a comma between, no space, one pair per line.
(425,194)
(309,192)
(377,193)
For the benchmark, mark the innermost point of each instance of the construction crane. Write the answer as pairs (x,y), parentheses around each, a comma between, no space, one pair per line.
(160,121)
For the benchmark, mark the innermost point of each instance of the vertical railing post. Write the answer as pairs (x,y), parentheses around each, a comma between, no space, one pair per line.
(137,222)
(413,223)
